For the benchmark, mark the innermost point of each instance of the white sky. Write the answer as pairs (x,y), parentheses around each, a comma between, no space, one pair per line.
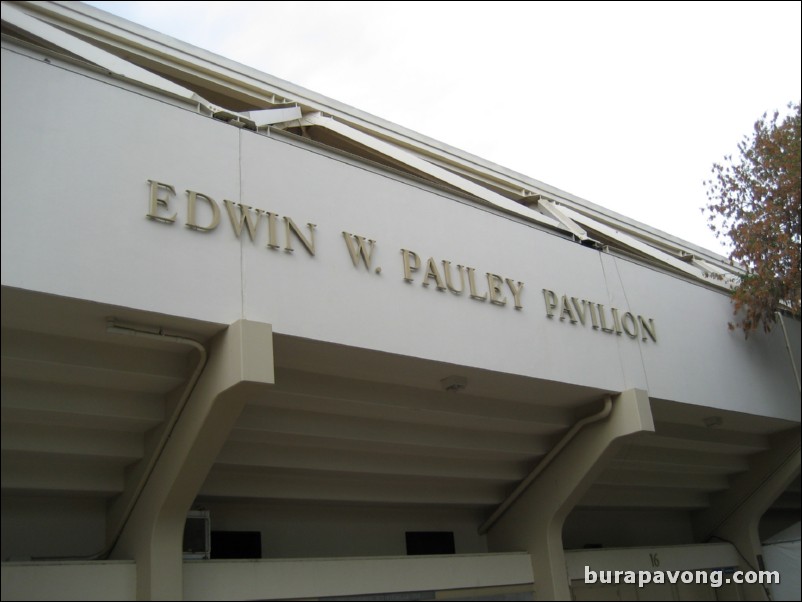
(625,104)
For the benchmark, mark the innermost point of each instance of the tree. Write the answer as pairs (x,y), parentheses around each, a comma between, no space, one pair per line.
(754,200)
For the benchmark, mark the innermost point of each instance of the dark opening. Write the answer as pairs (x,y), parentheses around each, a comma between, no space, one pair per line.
(430,542)
(195,535)
(236,544)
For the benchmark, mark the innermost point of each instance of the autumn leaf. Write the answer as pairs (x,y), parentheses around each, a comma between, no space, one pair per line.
(754,200)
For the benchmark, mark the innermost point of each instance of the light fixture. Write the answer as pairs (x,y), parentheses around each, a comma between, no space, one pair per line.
(454,383)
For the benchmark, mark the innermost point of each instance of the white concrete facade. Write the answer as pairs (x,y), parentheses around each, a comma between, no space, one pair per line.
(293,385)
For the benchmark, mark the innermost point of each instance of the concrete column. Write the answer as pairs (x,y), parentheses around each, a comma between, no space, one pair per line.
(240,364)
(534,522)
(734,515)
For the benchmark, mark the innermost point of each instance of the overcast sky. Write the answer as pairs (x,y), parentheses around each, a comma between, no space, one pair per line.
(625,104)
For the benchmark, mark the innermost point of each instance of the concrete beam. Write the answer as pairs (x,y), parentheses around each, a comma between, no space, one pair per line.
(319,424)
(268,455)
(87,407)
(240,364)
(734,515)
(534,522)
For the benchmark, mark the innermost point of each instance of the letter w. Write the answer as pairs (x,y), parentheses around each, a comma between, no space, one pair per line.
(245,216)
(359,248)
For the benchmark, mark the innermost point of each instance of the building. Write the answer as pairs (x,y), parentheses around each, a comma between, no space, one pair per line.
(372,364)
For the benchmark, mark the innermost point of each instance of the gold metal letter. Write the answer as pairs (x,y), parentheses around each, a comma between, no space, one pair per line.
(431,272)
(516,292)
(291,228)
(632,331)
(551,302)
(359,249)
(272,241)
(616,320)
(602,319)
(581,308)
(449,283)
(192,199)
(494,284)
(244,216)
(648,328)
(156,201)
(566,310)
(410,267)
(593,318)
(472,286)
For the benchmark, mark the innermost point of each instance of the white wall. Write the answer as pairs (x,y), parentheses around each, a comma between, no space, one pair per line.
(623,528)
(782,553)
(73,218)
(77,155)
(53,527)
(701,557)
(108,580)
(283,579)
(308,530)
